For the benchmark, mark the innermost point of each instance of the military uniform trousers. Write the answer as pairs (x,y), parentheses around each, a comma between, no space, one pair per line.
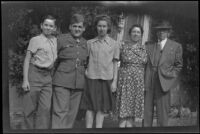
(37,101)
(161,99)
(65,107)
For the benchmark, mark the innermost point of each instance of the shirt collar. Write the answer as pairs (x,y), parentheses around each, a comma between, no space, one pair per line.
(106,39)
(163,41)
(43,36)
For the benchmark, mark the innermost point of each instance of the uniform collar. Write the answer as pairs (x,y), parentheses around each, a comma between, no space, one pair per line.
(72,39)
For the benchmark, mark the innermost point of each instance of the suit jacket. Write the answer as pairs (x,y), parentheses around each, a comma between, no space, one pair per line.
(169,66)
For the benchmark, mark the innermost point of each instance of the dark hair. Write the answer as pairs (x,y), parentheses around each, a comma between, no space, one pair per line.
(105,18)
(136,25)
(49,17)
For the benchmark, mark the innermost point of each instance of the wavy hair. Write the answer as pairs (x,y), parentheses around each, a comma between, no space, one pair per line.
(104,18)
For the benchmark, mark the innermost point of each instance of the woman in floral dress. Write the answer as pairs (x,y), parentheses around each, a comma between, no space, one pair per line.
(130,91)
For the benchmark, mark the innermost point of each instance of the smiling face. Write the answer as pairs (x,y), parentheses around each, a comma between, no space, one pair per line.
(48,27)
(77,29)
(136,34)
(162,34)
(102,28)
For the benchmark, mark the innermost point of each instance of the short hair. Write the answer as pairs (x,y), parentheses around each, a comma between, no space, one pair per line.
(77,18)
(136,25)
(48,17)
(104,18)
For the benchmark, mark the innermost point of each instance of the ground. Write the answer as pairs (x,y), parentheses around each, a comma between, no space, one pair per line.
(16,117)
(17,121)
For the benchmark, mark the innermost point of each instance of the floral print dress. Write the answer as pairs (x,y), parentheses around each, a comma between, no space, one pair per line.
(130,89)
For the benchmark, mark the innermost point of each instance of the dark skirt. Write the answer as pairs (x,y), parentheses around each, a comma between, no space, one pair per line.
(97,96)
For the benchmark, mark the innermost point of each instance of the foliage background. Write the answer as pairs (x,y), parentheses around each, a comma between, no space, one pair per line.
(23,22)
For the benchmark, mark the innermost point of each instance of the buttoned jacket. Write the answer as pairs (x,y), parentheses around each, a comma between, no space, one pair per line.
(168,67)
(71,62)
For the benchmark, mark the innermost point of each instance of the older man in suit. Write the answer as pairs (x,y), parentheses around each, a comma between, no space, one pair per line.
(164,65)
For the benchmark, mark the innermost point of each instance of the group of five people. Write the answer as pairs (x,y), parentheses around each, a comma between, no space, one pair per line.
(68,73)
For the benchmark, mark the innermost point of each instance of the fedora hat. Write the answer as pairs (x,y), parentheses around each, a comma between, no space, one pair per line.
(163,25)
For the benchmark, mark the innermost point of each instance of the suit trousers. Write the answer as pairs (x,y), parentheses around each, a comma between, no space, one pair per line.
(65,107)
(161,99)
(37,103)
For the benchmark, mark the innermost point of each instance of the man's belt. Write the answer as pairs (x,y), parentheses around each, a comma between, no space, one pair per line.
(42,68)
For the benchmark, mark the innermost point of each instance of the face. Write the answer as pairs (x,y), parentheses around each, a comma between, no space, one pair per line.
(136,34)
(162,34)
(48,26)
(77,29)
(102,28)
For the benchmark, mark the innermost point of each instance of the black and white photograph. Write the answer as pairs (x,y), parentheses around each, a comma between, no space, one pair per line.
(100,66)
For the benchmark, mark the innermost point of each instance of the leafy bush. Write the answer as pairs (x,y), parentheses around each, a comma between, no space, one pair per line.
(23,28)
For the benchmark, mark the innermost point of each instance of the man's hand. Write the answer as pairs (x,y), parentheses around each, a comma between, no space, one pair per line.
(26,86)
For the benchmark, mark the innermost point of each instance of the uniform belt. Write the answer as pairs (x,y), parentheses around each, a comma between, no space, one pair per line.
(77,61)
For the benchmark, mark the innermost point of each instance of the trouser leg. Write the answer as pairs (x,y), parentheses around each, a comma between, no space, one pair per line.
(65,107)
(30,101)
(60,109)
(44,106)
(148,108)
(162,105)
(75,98)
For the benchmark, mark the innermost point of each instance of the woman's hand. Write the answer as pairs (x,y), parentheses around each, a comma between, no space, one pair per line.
(26,86)
(113,86)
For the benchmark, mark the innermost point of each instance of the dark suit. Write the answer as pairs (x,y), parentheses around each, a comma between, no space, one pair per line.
(161,75)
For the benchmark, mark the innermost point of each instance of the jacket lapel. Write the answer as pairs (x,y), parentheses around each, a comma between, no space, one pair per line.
(164,52)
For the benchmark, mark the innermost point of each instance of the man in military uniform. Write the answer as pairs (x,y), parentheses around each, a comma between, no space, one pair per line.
(69,78)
